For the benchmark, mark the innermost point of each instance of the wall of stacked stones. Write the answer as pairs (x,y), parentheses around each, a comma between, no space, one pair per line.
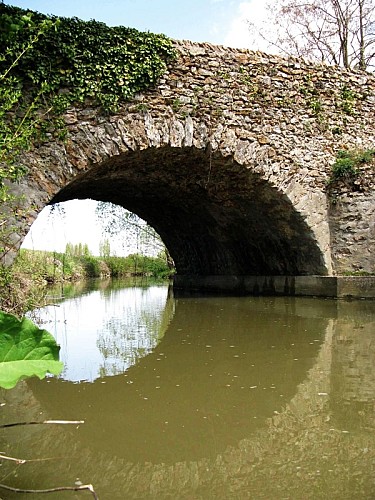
(284,119)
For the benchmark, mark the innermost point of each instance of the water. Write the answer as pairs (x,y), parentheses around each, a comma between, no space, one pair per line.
(200,398)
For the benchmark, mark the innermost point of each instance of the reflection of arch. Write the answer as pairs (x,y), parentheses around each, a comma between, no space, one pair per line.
(192,393)
(280,459)
(215,216)
(123,322)
(117,345)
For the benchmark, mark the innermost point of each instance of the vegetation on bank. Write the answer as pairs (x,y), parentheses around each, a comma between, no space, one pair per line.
(75,265)
(22,287)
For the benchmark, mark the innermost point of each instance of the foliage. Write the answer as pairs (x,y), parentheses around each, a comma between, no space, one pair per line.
(347,100)
(348,163)
(37,266)
(357,273)
(339,32)
(138,265)
(82,59)
(349,172)
(105,248)
(119,222)
(157,266)
(92,266)
(18,118)
(77,250)
(25,351)
(344,166)
(18,292)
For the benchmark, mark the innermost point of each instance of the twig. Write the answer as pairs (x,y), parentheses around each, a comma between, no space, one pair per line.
(53,490)
(12,459)
(73,422)
(24,460)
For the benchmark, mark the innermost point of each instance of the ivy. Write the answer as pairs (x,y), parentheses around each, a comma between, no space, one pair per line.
(48,63)
(82,59)
(18,116)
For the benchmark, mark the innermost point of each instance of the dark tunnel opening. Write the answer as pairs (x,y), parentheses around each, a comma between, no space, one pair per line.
(215,216)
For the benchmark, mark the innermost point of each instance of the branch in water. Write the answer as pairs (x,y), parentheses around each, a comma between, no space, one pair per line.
(53,490)
(73,422)
(21,461)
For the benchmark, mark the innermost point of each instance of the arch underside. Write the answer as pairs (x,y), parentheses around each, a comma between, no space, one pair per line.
(215,216)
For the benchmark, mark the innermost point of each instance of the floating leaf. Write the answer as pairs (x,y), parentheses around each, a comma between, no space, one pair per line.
(25,351)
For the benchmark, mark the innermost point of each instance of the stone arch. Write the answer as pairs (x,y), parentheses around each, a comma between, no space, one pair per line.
(248,121)
(216,216)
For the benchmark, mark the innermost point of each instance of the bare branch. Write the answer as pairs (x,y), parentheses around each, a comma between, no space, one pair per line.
(116,220)
(21,461)
(88,487)
(64,422)
(336,31)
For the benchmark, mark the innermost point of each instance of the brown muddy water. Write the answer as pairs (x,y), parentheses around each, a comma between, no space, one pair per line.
(198,398)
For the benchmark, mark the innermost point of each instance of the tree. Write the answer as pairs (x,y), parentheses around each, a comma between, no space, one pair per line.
(105,248)
(339,32)
(136,232)
(77,250)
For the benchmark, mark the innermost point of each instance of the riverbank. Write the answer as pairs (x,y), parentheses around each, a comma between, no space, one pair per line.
(22,287)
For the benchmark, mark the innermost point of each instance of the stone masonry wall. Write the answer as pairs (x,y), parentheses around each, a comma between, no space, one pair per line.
(283,120)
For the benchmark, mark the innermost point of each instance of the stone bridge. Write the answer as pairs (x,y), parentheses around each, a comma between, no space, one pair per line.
(228,159)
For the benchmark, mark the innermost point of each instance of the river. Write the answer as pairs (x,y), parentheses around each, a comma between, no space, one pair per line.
(200,397)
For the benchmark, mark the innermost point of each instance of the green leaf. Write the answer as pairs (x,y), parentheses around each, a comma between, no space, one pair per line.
(25,351)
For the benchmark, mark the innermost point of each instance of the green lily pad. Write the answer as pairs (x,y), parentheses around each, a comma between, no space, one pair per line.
(25,351)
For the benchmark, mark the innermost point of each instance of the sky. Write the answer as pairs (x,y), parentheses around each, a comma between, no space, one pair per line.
(222,22)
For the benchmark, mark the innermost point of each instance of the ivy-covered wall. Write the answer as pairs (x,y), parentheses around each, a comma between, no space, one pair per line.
(49,63)
(74,60)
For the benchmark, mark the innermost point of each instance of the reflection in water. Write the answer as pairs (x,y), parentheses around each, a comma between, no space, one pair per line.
(353,371)
(236,398)
(136,321)
(222,364)
(103,332)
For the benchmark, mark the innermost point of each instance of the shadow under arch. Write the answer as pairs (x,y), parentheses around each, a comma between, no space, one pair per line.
(215,216)
(191,398)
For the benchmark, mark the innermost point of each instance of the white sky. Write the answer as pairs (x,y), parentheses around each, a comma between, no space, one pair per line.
(222,22)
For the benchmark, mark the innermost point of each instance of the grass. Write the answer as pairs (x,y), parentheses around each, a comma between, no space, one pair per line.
(22,287)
